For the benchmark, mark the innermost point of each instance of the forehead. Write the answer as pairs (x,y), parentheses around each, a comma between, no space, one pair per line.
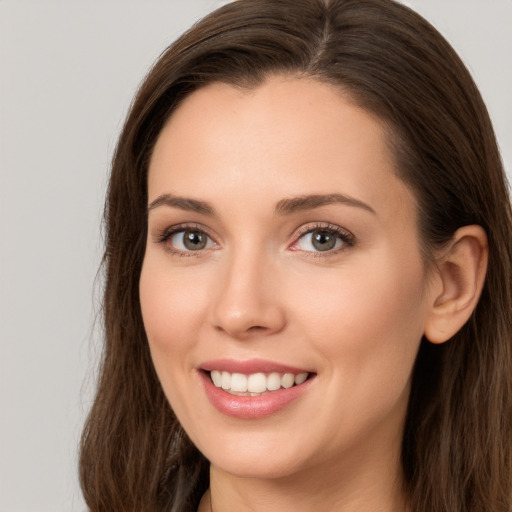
(285,137)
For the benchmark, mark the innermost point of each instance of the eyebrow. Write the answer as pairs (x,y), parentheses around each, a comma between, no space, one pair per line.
(183,203)
(308,202)
(283,207)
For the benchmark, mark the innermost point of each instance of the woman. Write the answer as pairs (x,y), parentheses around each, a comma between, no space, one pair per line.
(308,285)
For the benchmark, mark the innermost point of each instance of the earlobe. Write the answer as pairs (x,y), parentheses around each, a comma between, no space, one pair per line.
(459,281)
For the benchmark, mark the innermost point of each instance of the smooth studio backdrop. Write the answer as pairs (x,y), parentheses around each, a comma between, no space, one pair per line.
(68,71)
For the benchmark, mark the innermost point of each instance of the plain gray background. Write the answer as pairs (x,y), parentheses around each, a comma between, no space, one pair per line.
(68,70)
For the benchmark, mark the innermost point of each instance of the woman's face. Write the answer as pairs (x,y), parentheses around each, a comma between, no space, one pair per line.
(282,247)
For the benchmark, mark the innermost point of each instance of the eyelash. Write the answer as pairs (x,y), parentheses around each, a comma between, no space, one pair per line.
(346,237)
(168,233)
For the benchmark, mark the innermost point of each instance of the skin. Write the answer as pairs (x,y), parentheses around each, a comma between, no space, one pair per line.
(259,289)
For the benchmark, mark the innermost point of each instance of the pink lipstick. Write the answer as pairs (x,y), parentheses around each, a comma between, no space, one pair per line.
(252,389)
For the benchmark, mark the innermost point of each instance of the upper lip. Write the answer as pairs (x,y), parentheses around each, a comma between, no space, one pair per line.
(250,366)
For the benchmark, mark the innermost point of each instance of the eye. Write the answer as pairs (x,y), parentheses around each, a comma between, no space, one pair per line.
(319,240)
(185,240)
(323,239)
(190,240)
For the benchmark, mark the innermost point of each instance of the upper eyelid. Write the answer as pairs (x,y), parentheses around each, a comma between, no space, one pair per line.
(186,226)
(348,238)
(302,230)
(169,231)
(327,226)
(164,236)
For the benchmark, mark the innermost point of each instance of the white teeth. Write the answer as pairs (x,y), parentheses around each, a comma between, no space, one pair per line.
(226,380)
(288,380)
(255,383)
(300,378)
(273,381)
(216,378)
(239,382)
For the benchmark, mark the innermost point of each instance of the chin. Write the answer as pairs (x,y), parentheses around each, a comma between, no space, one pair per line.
(258,458)
(259,467)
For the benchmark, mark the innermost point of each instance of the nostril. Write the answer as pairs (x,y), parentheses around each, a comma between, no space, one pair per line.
(256,328)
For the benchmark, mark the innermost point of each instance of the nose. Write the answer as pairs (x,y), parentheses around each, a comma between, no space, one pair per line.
(247,302)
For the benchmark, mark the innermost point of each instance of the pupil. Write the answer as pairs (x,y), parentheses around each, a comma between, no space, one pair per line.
(323,240)
(194,240)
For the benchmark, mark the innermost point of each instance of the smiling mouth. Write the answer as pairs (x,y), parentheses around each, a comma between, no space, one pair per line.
(255,384)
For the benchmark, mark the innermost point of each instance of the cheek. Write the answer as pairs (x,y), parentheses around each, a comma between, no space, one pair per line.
(367,332)
(171,303)
(368,321)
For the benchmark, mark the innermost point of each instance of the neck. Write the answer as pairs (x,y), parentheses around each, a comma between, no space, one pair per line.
(365,488)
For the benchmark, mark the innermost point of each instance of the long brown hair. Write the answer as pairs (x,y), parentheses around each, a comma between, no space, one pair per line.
(457,447)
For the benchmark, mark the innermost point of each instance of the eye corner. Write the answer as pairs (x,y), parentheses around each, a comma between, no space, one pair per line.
(334,239)
(173,240)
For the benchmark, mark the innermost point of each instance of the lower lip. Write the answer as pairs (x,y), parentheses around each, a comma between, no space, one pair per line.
(251,407)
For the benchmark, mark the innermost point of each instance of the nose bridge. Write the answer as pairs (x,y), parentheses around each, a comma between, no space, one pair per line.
(246,300)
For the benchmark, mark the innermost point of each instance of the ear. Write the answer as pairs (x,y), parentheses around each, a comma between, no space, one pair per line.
(458,283)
